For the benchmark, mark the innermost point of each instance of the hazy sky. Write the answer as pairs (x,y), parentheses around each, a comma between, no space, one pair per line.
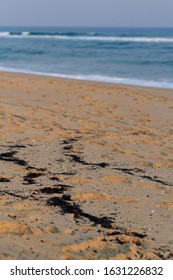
(87,12)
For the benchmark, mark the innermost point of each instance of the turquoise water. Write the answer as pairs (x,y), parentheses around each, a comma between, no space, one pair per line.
(136,56)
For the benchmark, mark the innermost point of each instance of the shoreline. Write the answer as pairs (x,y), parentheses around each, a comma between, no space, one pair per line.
(86,169)
(78,78)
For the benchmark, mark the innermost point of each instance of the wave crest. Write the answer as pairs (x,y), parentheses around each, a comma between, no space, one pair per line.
(4,34)
(88,36)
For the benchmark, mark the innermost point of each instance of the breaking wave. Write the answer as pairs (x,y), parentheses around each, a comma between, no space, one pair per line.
(88,36)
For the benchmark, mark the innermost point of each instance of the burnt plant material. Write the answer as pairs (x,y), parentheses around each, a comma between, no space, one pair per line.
(6,192)
(129,171)
(69,207)
(133,171)
(29,178)
(126,232)
(69,141)
(4,180)
(55,189)
(54,178)
(17,146)
(10,156)
(156,180)
(79,160)
(37,169)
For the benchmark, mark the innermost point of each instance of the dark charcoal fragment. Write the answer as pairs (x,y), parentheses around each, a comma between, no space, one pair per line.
(68,148)
(10,156)
(54,178)
(55,189)
(4,180)
(29,178)
(123,231)
(68,141)
(79,160)
(69,208)
(17,146)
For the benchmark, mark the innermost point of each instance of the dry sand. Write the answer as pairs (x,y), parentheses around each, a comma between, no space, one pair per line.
(85,170)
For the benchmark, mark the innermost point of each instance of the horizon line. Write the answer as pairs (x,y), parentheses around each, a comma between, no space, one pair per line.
(84,26)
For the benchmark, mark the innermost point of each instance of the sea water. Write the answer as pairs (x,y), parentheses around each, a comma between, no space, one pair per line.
(134,56)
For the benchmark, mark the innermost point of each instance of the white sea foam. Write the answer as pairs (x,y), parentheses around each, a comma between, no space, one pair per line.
(4,34)
(108,39)
(117,39)
(26,34)
(97,78)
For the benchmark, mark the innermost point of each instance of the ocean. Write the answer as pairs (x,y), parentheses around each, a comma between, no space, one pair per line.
(133,56)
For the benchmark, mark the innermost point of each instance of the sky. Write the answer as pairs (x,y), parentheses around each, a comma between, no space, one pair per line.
(137,13)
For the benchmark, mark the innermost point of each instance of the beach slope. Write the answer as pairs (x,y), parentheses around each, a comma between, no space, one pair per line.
(85,170)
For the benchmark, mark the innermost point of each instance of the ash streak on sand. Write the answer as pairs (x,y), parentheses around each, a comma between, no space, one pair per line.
(86,170)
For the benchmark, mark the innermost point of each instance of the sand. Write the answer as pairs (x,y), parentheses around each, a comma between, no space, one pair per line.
(85,170)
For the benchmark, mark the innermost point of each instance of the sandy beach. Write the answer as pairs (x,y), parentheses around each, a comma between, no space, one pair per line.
(86,170)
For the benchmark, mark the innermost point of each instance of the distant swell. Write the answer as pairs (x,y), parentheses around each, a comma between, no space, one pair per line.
(88,36)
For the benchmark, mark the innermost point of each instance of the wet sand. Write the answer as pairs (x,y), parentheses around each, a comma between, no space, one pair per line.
(86,170)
